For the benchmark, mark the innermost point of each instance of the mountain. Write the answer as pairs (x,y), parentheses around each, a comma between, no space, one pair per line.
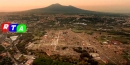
(57,8)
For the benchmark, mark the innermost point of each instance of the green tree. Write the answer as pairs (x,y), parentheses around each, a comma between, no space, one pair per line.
(6,61)
(1,48)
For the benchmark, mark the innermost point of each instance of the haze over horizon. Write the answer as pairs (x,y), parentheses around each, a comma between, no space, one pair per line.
(115,6)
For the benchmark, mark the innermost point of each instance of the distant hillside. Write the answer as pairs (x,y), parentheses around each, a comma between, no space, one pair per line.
(57,8)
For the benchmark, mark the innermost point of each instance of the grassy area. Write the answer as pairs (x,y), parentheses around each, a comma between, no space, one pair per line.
(119,36)
(101,39)
(122,39)
(77,31)
(89,32)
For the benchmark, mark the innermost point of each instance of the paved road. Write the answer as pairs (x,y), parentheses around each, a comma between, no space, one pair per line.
(55,41)
(2,38)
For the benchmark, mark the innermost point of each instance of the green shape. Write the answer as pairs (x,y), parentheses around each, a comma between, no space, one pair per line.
(21,28)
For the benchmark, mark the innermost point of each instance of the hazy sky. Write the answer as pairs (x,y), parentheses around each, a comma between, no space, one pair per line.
(117,6)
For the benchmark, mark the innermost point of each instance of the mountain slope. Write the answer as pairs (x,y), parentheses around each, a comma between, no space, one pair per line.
(57,8)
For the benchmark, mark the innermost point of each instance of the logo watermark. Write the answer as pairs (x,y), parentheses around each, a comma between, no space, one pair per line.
(12,27)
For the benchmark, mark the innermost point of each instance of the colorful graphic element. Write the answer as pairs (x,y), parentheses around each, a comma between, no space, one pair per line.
(19,28)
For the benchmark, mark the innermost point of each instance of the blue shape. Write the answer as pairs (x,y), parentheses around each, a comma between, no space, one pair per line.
(13,27)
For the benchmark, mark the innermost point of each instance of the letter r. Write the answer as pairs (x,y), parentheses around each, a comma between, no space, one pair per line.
(5,26)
